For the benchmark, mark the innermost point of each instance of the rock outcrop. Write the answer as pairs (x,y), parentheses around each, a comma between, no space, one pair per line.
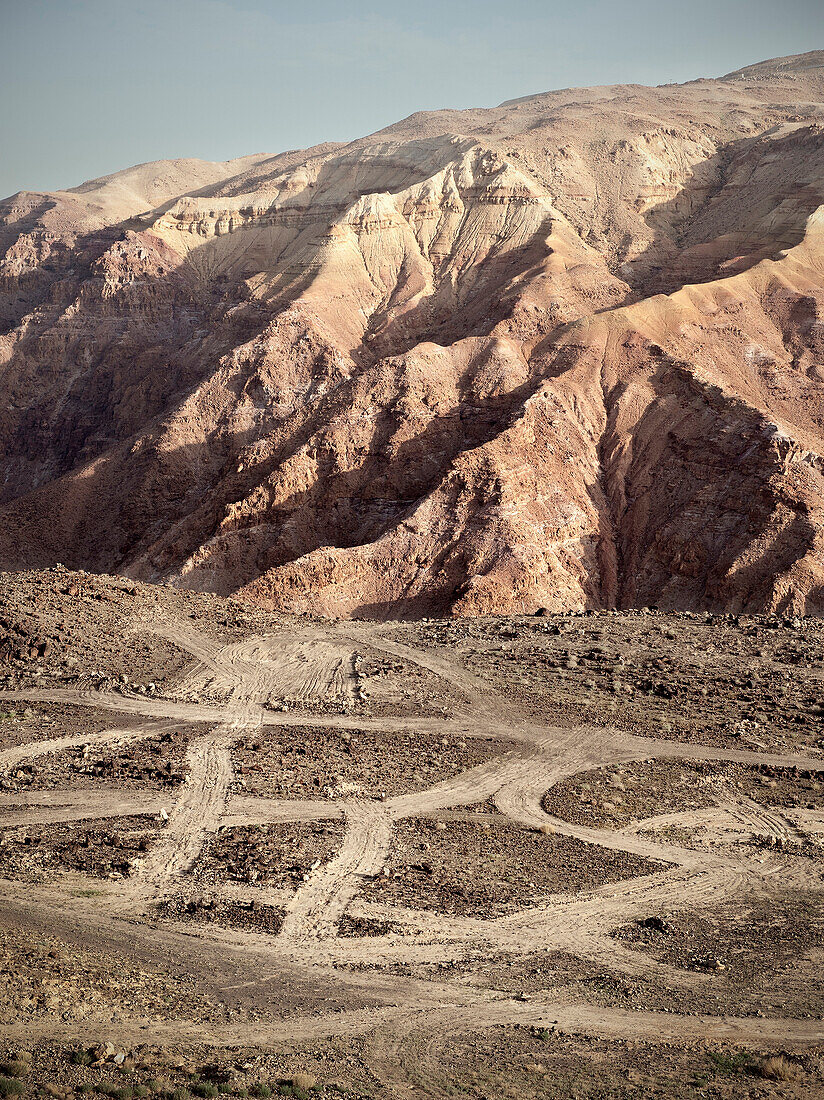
(564,353)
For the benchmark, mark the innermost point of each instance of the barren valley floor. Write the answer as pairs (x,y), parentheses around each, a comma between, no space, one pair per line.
(553,855)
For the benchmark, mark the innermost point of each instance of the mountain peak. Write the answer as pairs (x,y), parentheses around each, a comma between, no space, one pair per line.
(565,352)
(780,66)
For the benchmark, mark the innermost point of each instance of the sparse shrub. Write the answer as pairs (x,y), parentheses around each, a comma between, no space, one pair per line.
(115,1091)
(10,1086)
(81,1057)
(778,1068)
(725,1062)
(204,1089)
(181,1094)
(260,1090)
(141,1090)
(14,1069)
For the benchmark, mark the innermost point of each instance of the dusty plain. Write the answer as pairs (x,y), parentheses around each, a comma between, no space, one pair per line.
(251,854)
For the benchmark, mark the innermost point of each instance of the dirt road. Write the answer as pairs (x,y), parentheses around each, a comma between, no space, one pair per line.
(228,688)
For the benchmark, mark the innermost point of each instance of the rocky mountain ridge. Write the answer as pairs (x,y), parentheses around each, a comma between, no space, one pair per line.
(567,352)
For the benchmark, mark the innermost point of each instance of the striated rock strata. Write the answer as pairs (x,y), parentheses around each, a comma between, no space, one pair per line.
(563,353)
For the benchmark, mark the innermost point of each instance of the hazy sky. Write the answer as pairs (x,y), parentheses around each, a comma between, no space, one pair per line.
(92,86)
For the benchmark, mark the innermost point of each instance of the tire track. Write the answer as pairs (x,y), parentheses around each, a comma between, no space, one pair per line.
(10,758)
(319,904)
(309,663)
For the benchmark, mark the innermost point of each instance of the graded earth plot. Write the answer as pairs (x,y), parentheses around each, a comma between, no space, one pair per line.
(305,762)
(131,755)
(375,895)
(20,725)
(659,794)
(713,679)
(763,952)
(489,869)
(111,848)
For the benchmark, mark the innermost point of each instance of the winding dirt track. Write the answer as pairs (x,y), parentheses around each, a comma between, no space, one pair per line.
(238,680)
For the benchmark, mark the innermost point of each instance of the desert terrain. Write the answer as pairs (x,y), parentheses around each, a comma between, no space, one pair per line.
(411,638)
(252,854)
(565,352)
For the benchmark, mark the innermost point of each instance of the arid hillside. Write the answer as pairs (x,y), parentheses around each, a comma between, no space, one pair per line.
(564,353)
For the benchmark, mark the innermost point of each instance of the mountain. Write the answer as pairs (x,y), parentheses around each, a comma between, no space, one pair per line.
(566,352)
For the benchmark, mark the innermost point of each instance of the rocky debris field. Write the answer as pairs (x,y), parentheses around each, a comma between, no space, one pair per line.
(102,849)
(154,761)
(484,869)
(250,915)
(508,1061)
(110,1070)
(46,976)
(305,762)
(269,855)
(619,796)
(713,679)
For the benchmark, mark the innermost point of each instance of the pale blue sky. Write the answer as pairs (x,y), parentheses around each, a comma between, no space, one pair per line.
(92,86)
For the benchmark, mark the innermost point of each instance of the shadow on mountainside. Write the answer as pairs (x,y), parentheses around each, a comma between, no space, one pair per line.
(749,202)
(709,520)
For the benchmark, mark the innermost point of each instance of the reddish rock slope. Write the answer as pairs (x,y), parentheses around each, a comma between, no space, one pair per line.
(567,352)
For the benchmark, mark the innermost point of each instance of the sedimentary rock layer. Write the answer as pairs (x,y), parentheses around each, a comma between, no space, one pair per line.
(567,352)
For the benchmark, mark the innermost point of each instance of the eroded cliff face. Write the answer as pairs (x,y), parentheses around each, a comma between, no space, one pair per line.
(565,353)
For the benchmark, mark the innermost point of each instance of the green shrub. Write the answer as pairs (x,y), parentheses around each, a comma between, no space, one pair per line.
(141,1091)
(728,1063)
(260,1090)
(81,1057)
(10,1086)
(181,1094)
(289,1088)
(115,1091)
(204,1089)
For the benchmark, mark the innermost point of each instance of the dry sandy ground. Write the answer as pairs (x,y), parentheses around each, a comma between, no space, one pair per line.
(527,865)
